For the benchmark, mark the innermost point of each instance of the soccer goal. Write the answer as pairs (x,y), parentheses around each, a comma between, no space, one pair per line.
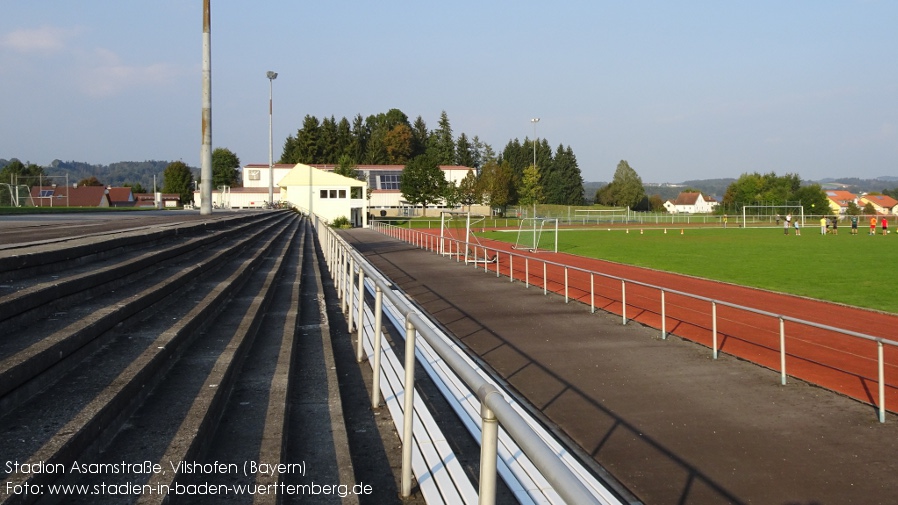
(457,237)
(599,216)
(537,234)
(761,215)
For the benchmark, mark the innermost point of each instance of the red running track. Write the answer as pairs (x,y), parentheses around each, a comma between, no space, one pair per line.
(839,362)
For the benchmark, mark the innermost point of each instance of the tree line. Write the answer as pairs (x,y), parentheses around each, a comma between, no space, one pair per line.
(497,179)
(177,176)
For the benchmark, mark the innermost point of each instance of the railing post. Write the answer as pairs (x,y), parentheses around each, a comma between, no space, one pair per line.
(360,324)
(510,267)
(663,317)
(545,280)
(378,334)
(565,285)
(497,264)
(527,271)
(623,297)
(489,446)
(592,293)
(782,351)
(882,382)
(408,408)
(714,329)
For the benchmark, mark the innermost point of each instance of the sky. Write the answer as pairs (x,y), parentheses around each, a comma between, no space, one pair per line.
(682,90)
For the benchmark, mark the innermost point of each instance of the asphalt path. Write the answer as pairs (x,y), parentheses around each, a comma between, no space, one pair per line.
(669,422)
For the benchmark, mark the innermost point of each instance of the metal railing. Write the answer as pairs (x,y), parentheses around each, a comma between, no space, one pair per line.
(345,263)
(481,254)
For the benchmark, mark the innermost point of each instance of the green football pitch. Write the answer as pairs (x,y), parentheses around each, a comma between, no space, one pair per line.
(859,270)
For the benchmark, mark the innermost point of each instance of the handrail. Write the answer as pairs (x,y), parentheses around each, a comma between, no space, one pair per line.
(494,407)
(415,236)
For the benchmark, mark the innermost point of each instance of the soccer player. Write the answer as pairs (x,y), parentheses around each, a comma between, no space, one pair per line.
(854,225)
(885,226)
(873,225)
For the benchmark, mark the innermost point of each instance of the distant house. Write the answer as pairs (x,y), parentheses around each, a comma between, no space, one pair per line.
(689,202)
(881,203)
(121,197)
(64,196)
(149,200)
(839,200)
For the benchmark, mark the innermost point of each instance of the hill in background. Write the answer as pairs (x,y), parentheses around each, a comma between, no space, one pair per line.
(142,172)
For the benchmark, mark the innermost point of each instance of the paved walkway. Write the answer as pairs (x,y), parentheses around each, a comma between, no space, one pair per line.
(673,425)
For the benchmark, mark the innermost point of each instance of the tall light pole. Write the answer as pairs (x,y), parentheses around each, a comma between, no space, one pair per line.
(271,77)
(206,151)
(534,121)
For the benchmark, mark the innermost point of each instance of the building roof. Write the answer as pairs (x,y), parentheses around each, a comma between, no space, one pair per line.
(840,198)
(886,202)
(120,195)
(301,175)
(60,196)
(687,198)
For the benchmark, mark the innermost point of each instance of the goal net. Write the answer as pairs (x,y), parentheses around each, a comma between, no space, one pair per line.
(537,234)
(600,216)
(766,215)
(457,237)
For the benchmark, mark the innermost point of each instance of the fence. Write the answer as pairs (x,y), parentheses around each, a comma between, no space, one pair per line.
(346,265)
(497,260)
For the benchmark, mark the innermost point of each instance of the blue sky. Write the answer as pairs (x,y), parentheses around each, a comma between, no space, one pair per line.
(681,90)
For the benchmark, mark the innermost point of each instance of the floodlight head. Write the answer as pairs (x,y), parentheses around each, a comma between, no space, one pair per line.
(272,75)
(535,120)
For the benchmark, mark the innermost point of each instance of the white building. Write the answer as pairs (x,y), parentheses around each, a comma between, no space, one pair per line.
(325,193)
(690,203)
(385,197)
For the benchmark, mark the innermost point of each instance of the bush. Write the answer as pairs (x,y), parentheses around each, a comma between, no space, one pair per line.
(341,222)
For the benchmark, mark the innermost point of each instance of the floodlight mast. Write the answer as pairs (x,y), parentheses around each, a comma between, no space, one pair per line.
(206,151)
(271,77)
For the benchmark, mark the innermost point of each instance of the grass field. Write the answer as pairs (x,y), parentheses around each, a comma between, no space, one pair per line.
(856,270)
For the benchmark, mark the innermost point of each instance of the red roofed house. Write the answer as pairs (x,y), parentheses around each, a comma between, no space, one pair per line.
(64,196)
(882,203)
(839,200)
(121,197)
(690,202)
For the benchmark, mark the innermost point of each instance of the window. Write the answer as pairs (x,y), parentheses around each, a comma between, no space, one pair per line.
(332,193)
(355,193)
(388,180)
(46,192)
(254,175)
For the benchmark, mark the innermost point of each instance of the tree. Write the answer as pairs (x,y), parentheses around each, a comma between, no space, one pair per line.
(469,190)
(135,188)
(346,167)
(564,184)
(422,182)
(90,181)
(770,189)
(464,152)
(442,145)
(628,190)
(177,178)
(495,183)
(16,172)
(531,191)
(813,199)
(398,143)
(224,168)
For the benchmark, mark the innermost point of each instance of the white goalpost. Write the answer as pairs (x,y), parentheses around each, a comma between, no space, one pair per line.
(597,216)
(768,213)
(531,236)
(452,243)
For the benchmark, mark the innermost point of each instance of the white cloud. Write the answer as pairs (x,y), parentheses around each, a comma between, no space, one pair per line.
(102,73)
(47,39)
